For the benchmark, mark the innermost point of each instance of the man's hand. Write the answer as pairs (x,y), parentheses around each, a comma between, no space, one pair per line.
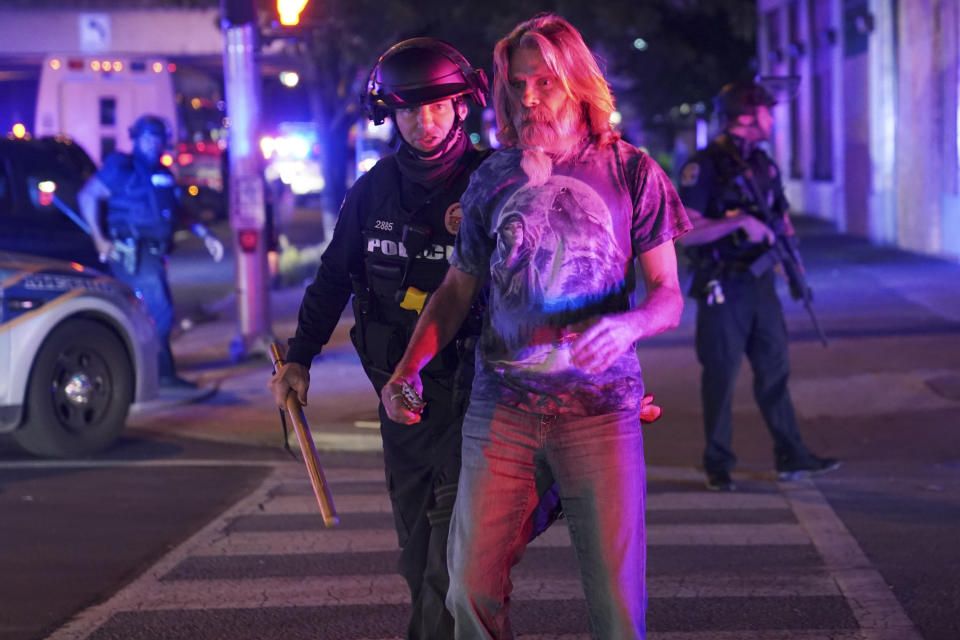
(210,241)
(757,232)
(214,247)
(292,375)
(392,396)
(788,229)
(603,340)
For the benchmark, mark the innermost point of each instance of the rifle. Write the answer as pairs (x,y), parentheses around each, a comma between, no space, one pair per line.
(305,438)
(784,251)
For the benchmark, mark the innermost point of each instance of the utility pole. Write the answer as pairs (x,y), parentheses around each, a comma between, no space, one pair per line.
(241,76)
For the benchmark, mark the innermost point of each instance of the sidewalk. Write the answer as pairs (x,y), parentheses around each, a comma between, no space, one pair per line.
(866,297)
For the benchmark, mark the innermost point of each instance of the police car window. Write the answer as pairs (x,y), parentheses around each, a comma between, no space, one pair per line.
(5,195)
(51,178)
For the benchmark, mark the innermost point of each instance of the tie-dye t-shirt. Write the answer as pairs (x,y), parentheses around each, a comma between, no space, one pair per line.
(557,255)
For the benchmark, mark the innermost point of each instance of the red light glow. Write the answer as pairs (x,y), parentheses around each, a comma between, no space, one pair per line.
(247,239)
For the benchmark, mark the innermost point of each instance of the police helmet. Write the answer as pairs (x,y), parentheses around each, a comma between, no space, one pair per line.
(740,98)
(149,124)
(420,71)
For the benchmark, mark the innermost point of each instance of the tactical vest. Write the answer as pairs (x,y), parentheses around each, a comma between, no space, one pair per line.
(406,256)
(732,250)
(144,204)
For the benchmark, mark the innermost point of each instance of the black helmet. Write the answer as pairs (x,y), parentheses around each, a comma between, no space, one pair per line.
(419,71)
(149,123)
(739,98)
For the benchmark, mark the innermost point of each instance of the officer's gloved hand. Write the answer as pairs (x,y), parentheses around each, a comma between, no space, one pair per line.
(210,241)
(214,246)
(104,248)
(649,412)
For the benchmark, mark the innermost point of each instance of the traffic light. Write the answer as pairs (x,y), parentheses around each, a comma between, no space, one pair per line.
(289,11)
(238,12)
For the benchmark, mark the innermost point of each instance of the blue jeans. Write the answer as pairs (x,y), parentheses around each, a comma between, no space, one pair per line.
(597,462)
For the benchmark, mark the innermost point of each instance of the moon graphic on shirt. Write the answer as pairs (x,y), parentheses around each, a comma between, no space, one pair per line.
(577,257)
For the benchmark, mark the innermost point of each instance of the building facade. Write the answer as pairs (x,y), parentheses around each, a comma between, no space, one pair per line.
(871,141)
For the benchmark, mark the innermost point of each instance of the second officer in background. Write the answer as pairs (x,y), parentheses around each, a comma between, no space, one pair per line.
(142,201)
(389,249)
(738,311)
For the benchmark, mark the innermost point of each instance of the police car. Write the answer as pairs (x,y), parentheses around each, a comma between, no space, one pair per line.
(77,351)
(39,179)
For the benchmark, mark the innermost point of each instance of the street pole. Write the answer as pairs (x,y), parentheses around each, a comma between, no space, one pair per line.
(241,76)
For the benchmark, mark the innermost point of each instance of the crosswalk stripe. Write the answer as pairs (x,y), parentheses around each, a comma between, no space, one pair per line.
(773,634)
(275,527)
(726,535)
(345,503)
(346,590)
(337,541)
(385,539)
(874,606)
(304,502)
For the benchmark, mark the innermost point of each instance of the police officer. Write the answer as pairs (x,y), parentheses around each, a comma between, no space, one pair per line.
(142,200)
(738,311)
(389,249)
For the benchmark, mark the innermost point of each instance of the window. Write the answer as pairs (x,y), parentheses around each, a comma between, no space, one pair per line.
(48,175)
(796,134)
(108,112)
(6,195)
(108,144)
(822,92)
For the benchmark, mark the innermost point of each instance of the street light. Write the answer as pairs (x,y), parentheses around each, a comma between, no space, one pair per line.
(289,11)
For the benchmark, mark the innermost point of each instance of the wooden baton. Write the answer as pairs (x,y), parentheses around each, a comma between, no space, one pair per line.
(307,448)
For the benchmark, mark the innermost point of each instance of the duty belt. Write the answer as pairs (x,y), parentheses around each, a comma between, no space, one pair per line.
(147,245)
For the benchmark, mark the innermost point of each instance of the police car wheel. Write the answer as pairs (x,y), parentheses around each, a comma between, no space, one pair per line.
(79,392)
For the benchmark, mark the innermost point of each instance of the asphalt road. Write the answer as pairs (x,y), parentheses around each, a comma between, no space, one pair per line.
(74,532)
(201,534)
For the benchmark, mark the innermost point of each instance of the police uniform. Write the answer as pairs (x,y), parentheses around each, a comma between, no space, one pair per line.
(143,200)
(368,258)
(739,312)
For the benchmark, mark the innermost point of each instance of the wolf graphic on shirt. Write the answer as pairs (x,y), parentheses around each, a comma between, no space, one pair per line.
(555,253)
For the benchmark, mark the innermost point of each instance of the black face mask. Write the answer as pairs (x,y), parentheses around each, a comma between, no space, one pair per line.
(430,172)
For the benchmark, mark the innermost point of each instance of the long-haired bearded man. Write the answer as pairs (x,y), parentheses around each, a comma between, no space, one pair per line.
(558,390)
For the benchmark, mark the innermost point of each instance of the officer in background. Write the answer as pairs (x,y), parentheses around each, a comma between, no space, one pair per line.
(738,311)
(142,201)
(389,249)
